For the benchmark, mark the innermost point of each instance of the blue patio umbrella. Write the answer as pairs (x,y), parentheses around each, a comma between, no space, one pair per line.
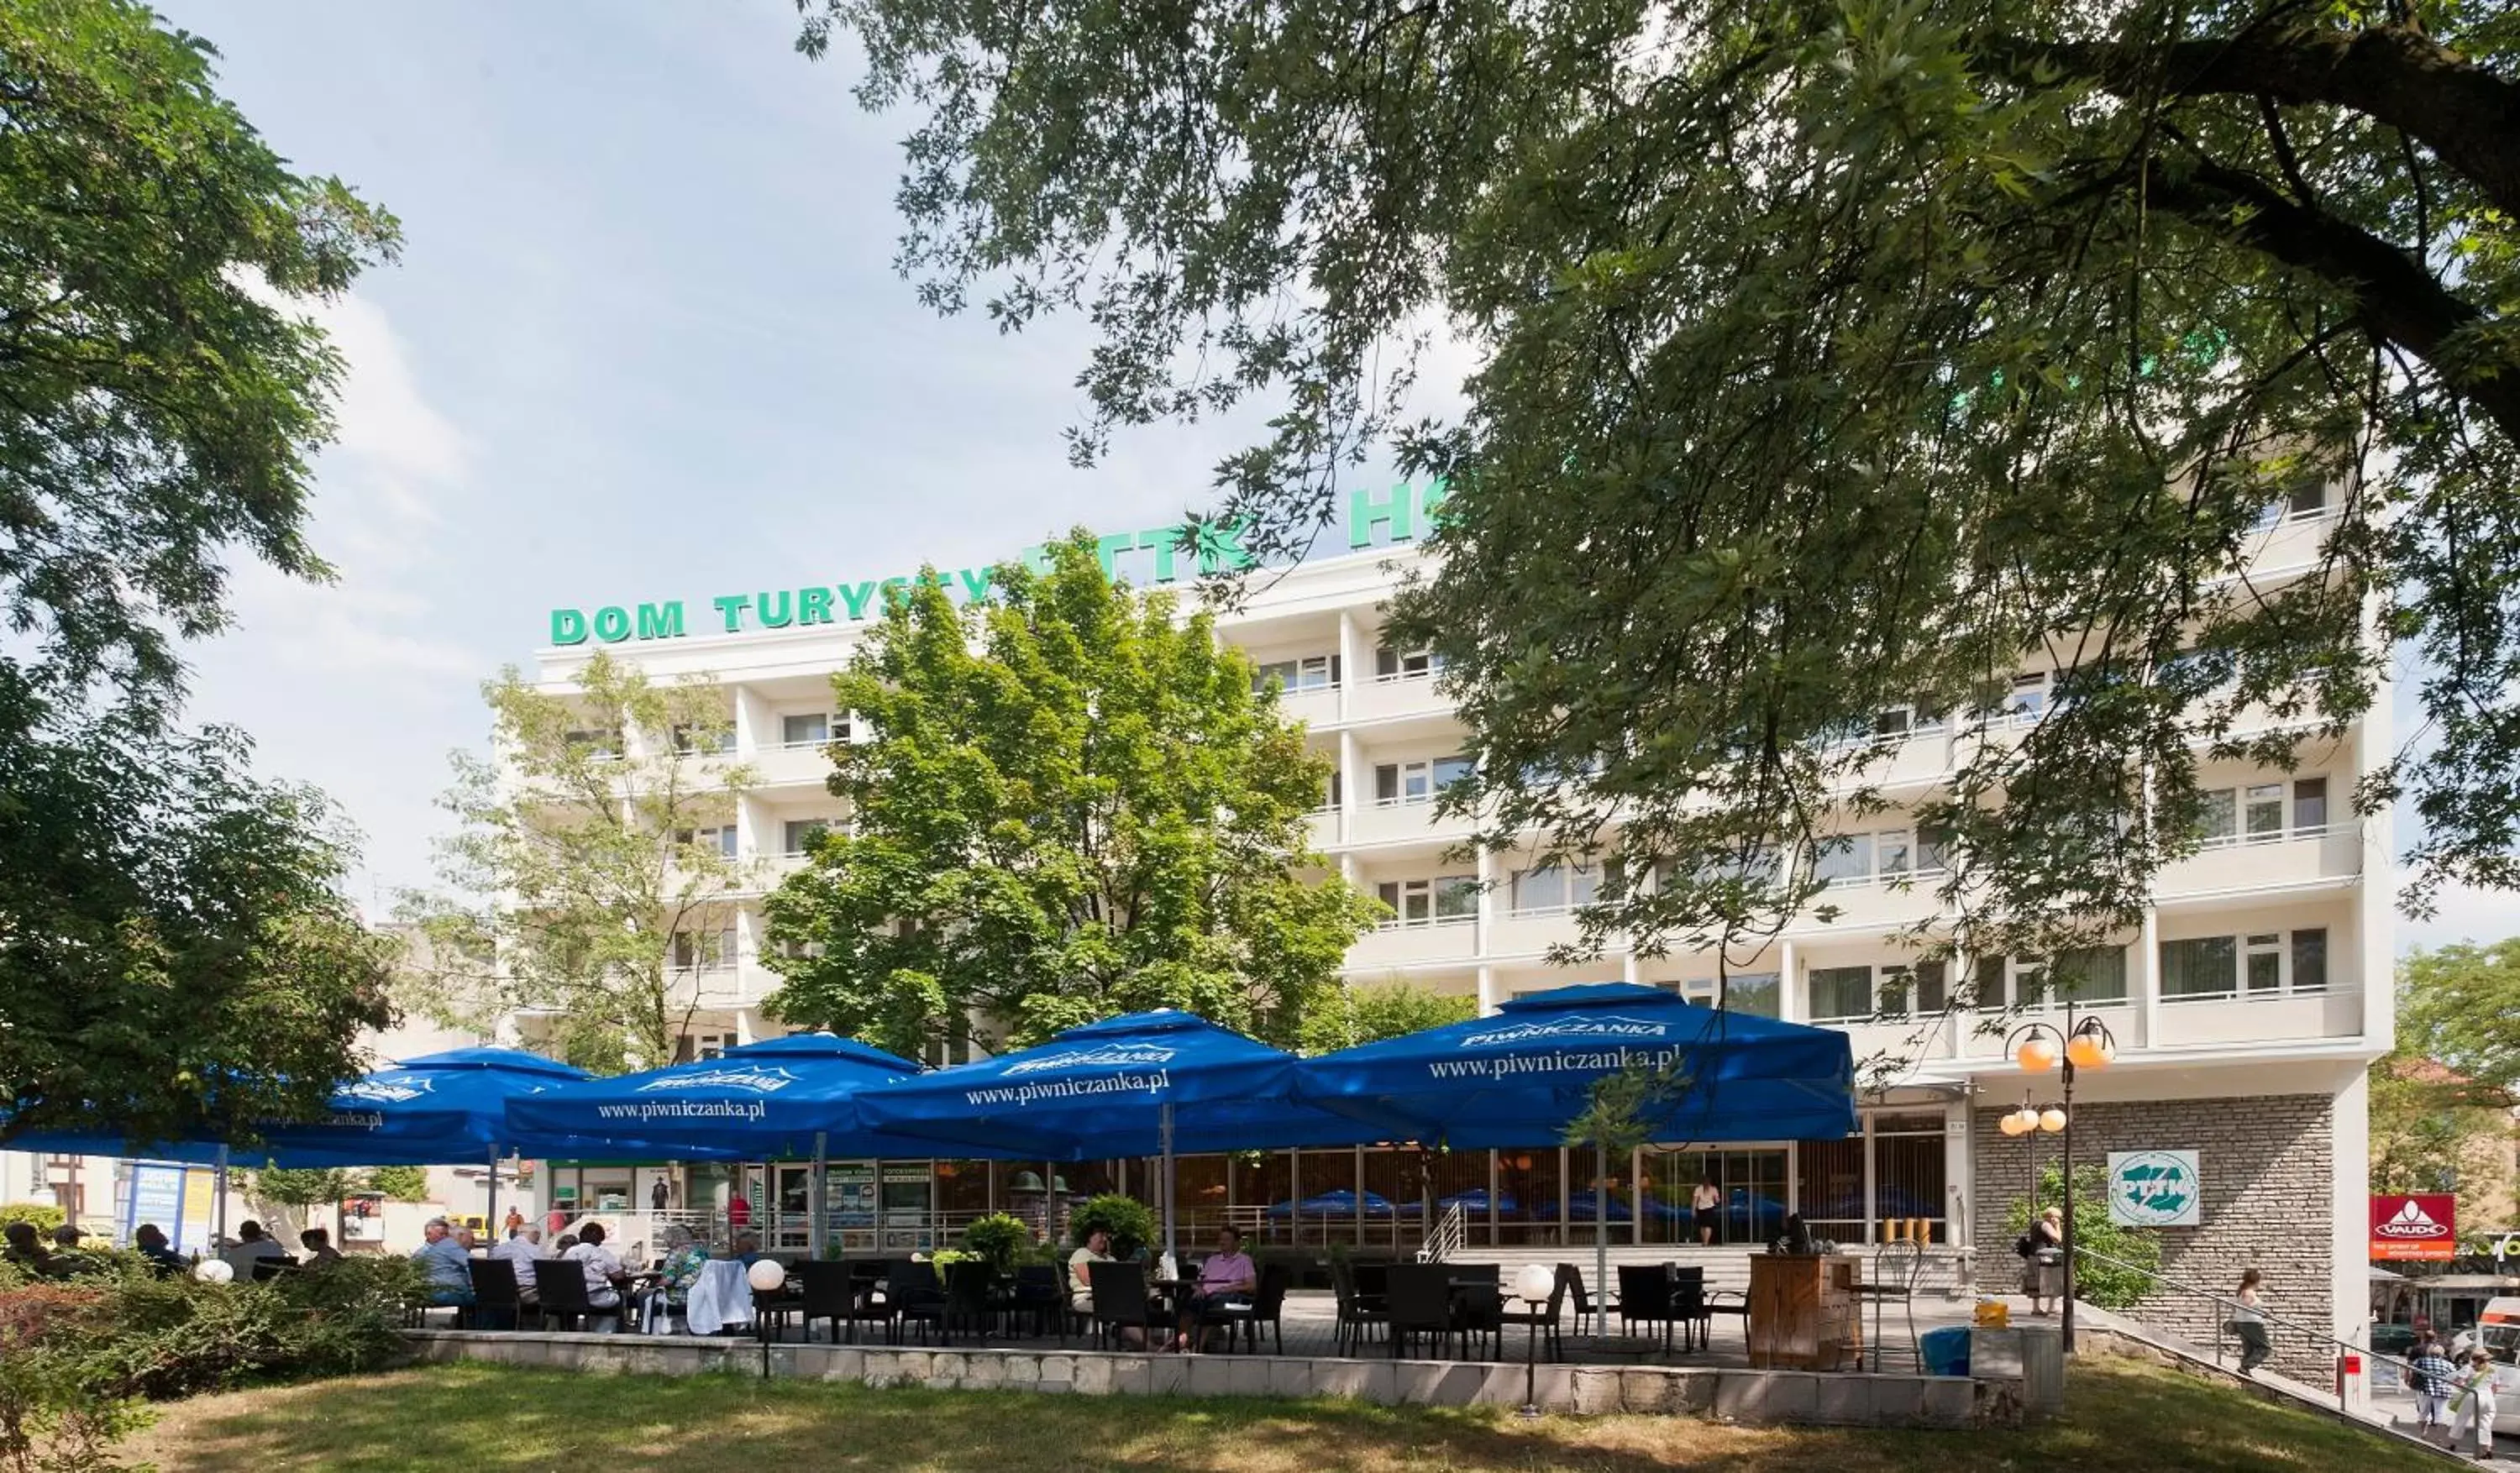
(1476,1202)
(777,1098)
(1525,1074)
(1144,1084)
(1341,1203)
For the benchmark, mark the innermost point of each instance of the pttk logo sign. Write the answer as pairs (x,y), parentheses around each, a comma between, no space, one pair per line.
(2415,1225)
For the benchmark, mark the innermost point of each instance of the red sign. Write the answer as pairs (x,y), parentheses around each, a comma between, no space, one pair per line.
(2415,1225)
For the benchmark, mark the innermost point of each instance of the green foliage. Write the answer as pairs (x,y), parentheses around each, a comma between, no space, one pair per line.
(1131,1223)
(1830,360)
(45,1216)
(2105,1284)
(2458,1005)
(78,1360)
(403,1184)
(1073,804)
(577,866)
(302,1188)
(1620,1108)
(998,1238)
(1364,1014)
(169,920)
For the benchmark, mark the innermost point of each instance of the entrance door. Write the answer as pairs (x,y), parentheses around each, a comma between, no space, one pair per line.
(1750,1179)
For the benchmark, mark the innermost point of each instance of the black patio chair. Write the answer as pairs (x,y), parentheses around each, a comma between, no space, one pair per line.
(1119,1300)
(916,1296)
(265,1269)
(970,1299)
(1268,1304)
(1645,1296)
(1421,1304)
(498,1302)
(1040,1298)
(1544,1323)
(865,1304)
(822,1293)
(1586,1306)
(560,1293)
(1356,1322)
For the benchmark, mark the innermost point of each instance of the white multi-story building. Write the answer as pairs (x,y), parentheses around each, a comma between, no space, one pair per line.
(2245,1011)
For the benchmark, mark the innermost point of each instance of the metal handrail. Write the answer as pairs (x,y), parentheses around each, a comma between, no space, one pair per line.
(2221,1301)
(1447,1239)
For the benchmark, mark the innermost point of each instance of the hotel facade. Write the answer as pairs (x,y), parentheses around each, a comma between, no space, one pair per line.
(2246,1007)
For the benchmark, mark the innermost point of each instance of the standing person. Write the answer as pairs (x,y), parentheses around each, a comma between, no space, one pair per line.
(738,1211)
(2249,1322)
(2042,1246)
(1706,1206)
(2472,1402)
(658,1195)
(2432,1375)
(515,1223)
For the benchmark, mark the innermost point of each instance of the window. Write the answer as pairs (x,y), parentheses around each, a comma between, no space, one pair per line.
(1933,849)
(1406,664)
(1753,993)
(598,742)
(2309,961)
(2309,805)
(1312,672)
(1330,790)
(721,840)
(2094,975)
(810,729)
(1846,858)
(2029,696)
(1840,993)
(2261,963)
(1445,900)
(1914,989)
(2262,813)
(1554,887)
(2308,501)
(2219,821)
(705,951)
(2204,968)
(2255,813)
(691,738)
(1402,782)
(802,835)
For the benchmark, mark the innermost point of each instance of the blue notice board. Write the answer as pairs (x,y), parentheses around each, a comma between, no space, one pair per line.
(155,1194)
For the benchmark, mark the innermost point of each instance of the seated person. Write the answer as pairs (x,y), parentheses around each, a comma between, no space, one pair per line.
(1227,1277)
(601,1264)
(249,1247)
(68,1258)
(1097,1249)
(320,1252)
(748,1249)
(25,1250)
(448,1267)
(149,1241)
(522,1248)
(683,1260)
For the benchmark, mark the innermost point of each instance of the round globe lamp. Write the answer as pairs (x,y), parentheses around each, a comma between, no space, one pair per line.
(2052,1120)
(214,1270)
(2035,1056)
(2090,1050)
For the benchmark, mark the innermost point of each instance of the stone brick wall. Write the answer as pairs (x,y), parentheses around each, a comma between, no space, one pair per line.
(2267,1167)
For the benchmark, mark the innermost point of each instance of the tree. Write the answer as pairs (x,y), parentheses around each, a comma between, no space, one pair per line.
(1074,804)
(1366,1014)
(174,952)
(1620,1113)
(590,877)
(2442,1103)
(2113,1264)
(1832,359)
(2458,1007)
(401,1184)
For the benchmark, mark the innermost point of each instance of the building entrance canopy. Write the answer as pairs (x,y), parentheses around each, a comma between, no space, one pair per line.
(1525,1074)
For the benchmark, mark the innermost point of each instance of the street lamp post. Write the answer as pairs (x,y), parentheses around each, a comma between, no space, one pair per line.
(2031,1121)
(2083,1044)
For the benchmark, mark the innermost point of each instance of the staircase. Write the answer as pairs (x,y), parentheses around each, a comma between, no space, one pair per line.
(1946,1270)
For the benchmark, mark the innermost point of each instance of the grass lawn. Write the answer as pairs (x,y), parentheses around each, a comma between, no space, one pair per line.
(2124,1418)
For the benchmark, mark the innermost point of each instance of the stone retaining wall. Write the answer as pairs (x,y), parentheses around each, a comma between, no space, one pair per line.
(1745,1396)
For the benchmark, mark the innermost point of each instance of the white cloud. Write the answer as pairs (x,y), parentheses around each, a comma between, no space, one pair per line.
(2463,913)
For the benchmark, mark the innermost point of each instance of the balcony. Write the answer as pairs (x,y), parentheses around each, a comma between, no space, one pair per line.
(2296,857)
(1917,758)
(1414,945)
(2292,543)
(1395,696)
(1401,820)
(1314,706)
(1528,932)
(1873,904)
(1325,826)
(2226,1018)
(2125,1022)
(806,764)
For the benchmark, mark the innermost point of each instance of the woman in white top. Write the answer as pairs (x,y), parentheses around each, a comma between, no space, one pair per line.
(1707,1205)
(2249,1322)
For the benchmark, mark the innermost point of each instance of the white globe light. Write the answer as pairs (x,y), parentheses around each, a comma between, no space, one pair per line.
(1535,1284)
(2012,1122)
(214,1270)
(767,1276)
(2052,1120)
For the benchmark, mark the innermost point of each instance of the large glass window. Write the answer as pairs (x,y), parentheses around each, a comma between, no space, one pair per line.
(2093,975)
(1840,993)
(2309,805)
(2204,968)
(1419,781)
(690,739)
(1406,664)
(1312,672)
(2309,961)
(1753,993)
(2262,810)
(721,840)
(1443,900)
(1554,887)
(2219,821)
(705,950)
(805,728)
(802,835)
(1844,859)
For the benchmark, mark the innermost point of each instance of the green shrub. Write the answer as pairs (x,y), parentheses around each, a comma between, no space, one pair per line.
(998,1238)
(2094,1283)
(1131,1223)
(43,1215)
(403,1183)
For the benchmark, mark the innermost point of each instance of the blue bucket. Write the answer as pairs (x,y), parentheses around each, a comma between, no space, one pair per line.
(1946,1350)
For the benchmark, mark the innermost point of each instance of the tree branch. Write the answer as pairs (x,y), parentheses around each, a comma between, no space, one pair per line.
(2394,297)
(2467,116)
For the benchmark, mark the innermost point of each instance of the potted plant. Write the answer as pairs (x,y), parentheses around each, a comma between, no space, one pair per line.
(1130,1222)
(998,1240)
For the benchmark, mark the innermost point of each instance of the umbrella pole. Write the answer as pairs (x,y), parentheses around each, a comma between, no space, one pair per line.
(1601,1215)
(1164,1122)
(490,1214)
(814,1190)
(219,1203)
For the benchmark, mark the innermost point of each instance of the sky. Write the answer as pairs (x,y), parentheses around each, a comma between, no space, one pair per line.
(645,340)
